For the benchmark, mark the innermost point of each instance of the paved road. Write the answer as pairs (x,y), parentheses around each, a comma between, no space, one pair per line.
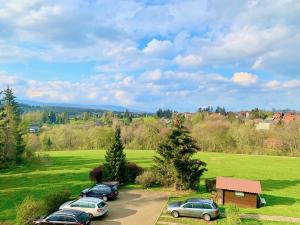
(134,207)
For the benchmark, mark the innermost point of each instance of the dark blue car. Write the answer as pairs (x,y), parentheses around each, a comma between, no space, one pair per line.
(105,192)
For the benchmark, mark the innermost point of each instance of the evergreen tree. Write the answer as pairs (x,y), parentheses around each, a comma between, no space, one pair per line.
(115,165)
(13,145)
(175,164)
(3,160)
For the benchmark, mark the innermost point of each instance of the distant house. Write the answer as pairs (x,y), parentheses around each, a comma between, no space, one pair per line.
(277,117)
(244,114)
(285,117)
(243,193)
(264,125)
(34,128)
(289,117)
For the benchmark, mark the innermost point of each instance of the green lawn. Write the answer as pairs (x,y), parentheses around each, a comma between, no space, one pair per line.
(280,177)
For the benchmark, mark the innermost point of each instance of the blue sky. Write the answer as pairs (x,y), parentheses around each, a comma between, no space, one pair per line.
(153,54)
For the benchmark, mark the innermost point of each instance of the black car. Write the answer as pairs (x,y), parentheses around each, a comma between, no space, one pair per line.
(105,192)
(72,217)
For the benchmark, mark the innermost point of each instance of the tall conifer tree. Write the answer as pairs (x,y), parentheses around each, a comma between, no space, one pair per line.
(13,146)
(174,163)
(115,165)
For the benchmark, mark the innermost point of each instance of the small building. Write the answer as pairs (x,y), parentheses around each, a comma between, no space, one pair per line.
(264,125)
(243,193)
(34,128)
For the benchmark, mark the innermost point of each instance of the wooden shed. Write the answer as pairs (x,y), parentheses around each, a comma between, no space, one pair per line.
(243,193)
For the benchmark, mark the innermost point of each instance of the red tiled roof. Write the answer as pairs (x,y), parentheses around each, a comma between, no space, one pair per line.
(234,184)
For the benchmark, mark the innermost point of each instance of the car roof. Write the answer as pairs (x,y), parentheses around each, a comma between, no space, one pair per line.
(89,199)
(69,212)
(202,200)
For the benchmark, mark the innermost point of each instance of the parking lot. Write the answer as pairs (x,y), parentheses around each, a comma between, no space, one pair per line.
(134,207)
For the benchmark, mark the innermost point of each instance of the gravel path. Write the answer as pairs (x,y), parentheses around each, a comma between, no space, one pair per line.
(270,218)
(134,207)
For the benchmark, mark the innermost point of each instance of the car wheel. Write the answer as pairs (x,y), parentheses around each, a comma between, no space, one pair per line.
(175,214)
(91,215)
(206,217)
(105,198)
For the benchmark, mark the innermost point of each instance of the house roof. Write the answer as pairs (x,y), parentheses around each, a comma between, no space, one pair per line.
(234,184)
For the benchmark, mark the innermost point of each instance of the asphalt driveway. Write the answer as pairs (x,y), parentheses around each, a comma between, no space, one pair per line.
(134,207)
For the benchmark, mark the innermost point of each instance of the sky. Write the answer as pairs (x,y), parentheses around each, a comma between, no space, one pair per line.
(151,54)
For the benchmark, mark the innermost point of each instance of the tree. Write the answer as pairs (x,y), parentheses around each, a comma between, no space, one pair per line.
(86,116)
(3,160)
(164,113)
(174,163)
(13,145)
(51,118)
(115,165)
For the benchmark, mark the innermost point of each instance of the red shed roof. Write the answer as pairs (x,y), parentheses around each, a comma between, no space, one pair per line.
(234,184)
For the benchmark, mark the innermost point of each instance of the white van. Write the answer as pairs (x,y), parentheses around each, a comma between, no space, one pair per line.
(95,207)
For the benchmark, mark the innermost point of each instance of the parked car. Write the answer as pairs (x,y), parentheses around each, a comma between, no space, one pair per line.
(95,207)
(72,217)
(102,191)
(194,207)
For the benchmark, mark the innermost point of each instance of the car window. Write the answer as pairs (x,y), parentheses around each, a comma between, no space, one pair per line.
(206,206)
(61,218)
(101,204)
(188,205)
(91,205)
(70,219)
(75,204)
(197,205)
(83,204)
(215,205)
(52,218)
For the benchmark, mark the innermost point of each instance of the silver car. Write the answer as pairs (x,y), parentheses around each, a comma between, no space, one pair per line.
(94,207)
(203,208)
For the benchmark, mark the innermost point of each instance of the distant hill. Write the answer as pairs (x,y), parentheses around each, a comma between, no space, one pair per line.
(29,105)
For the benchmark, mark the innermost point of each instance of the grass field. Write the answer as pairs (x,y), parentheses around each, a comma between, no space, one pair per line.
(280,177)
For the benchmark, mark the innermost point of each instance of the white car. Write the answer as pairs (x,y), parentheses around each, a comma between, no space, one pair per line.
(95,207)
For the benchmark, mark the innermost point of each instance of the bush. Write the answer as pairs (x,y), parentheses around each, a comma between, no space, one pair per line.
(147,179)
(97,174)
(210,185)
(133,170)
(53,201)
(232,215)
(29,210)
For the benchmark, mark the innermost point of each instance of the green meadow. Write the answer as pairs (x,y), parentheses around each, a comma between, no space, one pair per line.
(279,176)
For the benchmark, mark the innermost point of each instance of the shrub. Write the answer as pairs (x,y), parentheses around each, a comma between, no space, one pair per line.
(210,185)
(29,210)
(232,215)
(53,201)
(97,174)
(147,179)
(133,170)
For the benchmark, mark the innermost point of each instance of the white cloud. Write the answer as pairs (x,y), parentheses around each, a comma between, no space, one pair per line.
(258,63)
(244,79)
(189,61)
(291,84)
(273,84)
(153,75)
(157,47)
